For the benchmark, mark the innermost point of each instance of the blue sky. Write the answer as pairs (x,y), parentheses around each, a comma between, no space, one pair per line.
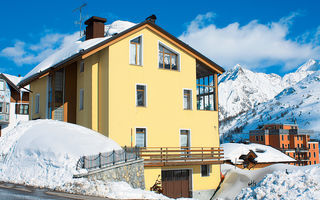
(267,36)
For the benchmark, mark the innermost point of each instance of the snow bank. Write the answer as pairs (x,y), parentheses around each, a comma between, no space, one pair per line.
(232,151)
(237,179)
(297,183)
(44,153)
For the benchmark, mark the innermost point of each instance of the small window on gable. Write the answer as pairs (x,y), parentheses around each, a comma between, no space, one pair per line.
(136,51)
(81,102)
(37,103)
(2,85)
(167,58)
(81,66)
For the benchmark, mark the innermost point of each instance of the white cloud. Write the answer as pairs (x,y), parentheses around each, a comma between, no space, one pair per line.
(254,45)
(33,53)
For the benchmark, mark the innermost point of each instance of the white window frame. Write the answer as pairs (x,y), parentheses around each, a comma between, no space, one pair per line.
(141,50)
(81,99)
(145,94)
(37,104)
(146,135)
(189,137)
(191,98)
(208,171)
(4,85)
(174,51)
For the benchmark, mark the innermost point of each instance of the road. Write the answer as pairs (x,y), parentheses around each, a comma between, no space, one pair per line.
(16,192)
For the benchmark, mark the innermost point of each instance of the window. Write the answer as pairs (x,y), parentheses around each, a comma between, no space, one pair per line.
(314,146)
(1,107)
(185,138)
(314,162)
(140,95)
(187,96)
(22,109)
(81,99)
(298,145)
(37,104)
(141,137)
(309,146)
(81,66)
(184,142)
(283,146)
(309,154)
(8,108)
(288,137)
(2,85)
(206,93)
(167,59)
(289,146)
(257,138)
(135,51)
(314,154)
(205,170)
(282,137)
(261,137)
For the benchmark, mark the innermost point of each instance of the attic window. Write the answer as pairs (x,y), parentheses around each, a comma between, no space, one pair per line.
(135,51)
(81,66)
(167,59)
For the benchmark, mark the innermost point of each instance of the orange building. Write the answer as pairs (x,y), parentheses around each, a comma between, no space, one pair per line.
(289,139)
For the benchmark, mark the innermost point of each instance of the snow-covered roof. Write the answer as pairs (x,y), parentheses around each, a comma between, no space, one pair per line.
(232,151)
(74,48)
(113,31)
(15,80)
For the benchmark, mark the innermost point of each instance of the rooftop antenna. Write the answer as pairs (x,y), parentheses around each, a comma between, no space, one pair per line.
(80,19)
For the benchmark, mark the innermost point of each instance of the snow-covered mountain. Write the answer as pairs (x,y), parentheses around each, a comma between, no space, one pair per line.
(241,90)
(249,99)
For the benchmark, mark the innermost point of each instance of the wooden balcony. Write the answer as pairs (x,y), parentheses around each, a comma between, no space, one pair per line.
(178,156)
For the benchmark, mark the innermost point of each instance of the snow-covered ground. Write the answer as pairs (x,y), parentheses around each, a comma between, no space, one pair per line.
(279,181)
(44,153)
(232,151)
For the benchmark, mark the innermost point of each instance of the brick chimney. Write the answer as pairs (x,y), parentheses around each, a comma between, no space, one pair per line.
(95,27)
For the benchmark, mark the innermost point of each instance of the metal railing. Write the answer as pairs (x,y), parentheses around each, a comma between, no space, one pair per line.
(108,159)
(175,156)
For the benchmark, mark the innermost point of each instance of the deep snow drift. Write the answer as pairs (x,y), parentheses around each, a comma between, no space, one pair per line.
(44,153)
(275,182)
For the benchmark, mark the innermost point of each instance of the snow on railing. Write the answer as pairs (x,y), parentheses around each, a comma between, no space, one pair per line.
(107,159)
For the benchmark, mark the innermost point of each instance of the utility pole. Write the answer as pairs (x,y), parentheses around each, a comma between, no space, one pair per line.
(80,19)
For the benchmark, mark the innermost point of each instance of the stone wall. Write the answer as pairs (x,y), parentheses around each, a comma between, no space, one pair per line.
(131,172)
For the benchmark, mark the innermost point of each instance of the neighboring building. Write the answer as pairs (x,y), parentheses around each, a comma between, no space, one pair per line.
(140,87)
(290,139)
(254,156)
(14,103)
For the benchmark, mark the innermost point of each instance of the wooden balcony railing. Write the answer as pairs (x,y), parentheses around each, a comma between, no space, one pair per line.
(177,156)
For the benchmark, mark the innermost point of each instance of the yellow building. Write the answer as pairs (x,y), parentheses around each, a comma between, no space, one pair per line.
(141,87)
